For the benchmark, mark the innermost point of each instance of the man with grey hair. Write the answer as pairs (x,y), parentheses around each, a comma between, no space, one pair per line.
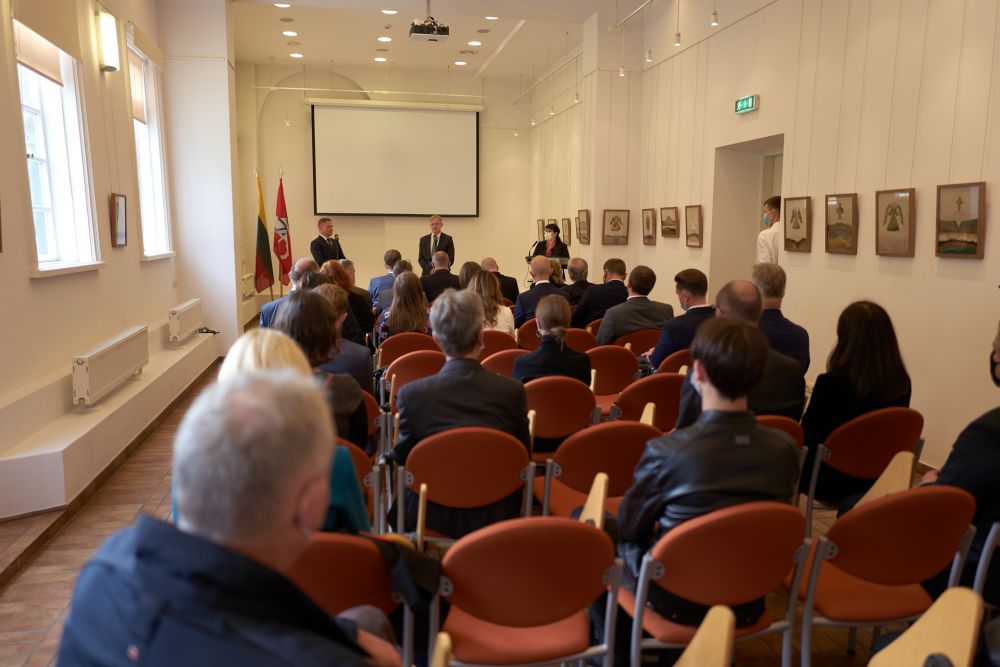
(784,335)
(508,285)
(463,393)
(440,278)
(252,485)
(300,268)
(352,273)
(577,269)
(541,272)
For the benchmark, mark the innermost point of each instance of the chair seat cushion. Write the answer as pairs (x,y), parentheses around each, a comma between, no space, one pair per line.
(476,641)
(668,632)
(605,401)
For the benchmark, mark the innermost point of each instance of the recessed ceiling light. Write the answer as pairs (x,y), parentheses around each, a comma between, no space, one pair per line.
(390,12)
(461,62)
(285,19)
(381,59)
(492,18)
(293,43)
(483,31)
(385,38)
(290,33)
(382,50)
(475,42)
(294,55)
(282,5)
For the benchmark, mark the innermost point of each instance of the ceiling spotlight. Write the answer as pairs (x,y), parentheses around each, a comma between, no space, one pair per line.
(390,12)
(381,59)
(483,31)
(492,18)
(282,5)
(293,43)
(576,97)
(516,134)
(475,42)
(287,19)
(382,50)
(290,33)
(649,55)
(552,110)
(385,38)
(714,21)
(677,39)
(621,71)
(532,122)
(460,63)
(294,55)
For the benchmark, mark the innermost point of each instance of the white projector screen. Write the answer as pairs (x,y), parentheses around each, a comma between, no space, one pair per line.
(395,161)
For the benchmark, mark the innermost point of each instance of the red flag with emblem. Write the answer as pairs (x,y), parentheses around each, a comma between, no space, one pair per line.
(282,240)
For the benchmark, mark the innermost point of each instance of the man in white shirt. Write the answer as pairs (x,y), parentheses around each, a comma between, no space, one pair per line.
(770,239)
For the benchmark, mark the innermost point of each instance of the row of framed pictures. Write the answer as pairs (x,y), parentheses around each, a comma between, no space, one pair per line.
(960,222)
(614,230)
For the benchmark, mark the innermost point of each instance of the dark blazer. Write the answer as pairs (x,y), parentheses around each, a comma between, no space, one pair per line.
(782,391)
(552,358)
(574,291)
(560,249)
(361,310)
(524,306)
(638,312)
(379,283)
(445,244)
(508,286)
(354,360)
(677,333)
(323,250)
(785,336)
(268,311)
(437,282)
(383,301)
(596,301)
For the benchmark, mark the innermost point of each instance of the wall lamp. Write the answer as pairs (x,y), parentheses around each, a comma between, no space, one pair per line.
(107,28)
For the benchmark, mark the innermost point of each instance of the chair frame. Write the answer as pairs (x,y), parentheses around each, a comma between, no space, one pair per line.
(983,569)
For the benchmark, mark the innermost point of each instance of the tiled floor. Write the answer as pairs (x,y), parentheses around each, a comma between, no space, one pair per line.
(35,603)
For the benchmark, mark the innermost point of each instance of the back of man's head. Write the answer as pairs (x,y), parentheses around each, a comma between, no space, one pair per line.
(457,321)
(773,202)
(489,264)
(577,269)
(540,268)
(401,266)
(240,465)
(302,266)
(769,279)
(693,281)
(740,299)
(641,280)
(313,279)
(390,258)
(440,260)
(615,269)
(733,354)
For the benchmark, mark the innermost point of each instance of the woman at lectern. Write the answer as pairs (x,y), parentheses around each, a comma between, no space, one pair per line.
(552,246)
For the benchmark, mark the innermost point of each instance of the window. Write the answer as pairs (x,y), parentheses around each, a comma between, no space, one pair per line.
(144,85)
(54,142)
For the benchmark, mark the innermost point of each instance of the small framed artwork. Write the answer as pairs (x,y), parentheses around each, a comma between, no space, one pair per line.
(541,229)
(649,226)
(119,231)
(895,220)
(798,224)
(842,224)
(668,222)
(694,229)
(961,220)
(583,226)
(615,229)
(566,231)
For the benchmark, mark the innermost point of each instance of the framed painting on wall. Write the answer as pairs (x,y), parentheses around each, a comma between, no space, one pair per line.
(615,228)
(566,231)
(961,220)
(119,231)
(649,226)
(668,222)
(694,227)
(842,224)
(798,224)
(541,229)
(895,222)
(583,226)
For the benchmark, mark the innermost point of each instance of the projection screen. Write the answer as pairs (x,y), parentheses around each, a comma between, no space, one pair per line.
(395,161)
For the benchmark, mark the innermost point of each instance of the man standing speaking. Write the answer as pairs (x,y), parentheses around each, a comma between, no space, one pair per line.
(436,241)
(326,246)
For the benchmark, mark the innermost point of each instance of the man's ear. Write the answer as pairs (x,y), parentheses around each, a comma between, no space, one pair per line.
(310,510)
(698,369)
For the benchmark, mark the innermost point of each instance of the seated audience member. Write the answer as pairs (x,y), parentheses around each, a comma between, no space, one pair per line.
(677,333)
(577,270)
(541,272)
(463,393)
(351,358)
(408,311)
(497,316)
(252,486)
(784,335)
(865,372)
(781,390)
(508,285)
(385,296)
(598,298)
(309,320)
(557,273)
(638,311)
(301,267)
(552,356)
(440,278)
(358,304)
(383,282)
(465,274)
(352,274)
(350,330)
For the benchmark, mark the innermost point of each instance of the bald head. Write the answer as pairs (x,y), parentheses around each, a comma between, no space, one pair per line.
(439,260)
(301,267)
(739,299)
(541,268)
(577,269)
(489,264)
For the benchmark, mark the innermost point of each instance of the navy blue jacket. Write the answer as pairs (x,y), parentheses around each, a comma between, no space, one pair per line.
(596,301)
(268,311)
(785,336)
(678,332)
(552,358)
(379,283)
(524,307)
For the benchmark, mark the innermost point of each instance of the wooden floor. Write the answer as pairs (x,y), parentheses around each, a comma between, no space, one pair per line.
(35,603)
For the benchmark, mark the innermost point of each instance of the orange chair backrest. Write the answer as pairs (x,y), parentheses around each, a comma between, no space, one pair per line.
(502,362)
(864,446)
(562,406)
(786,424)
(372,411)
(468,467)
(733,555)
(495,341)
(663,389)
(675,361)
(507,302)
(340,571)
(527,335)
(580,340)
(528,572)
(397,345)
(902,538)
(415,365)
(612,447)
(641,340)
(594,325)
(616,368)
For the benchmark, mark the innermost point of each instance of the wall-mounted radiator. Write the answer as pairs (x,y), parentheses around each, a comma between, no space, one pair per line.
(98,371)
(184,320)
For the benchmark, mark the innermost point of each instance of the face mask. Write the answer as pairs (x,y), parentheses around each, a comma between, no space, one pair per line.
(549,236)
(766,221)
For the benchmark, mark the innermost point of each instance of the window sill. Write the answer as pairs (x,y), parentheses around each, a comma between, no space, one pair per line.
(65,270)
(158,256)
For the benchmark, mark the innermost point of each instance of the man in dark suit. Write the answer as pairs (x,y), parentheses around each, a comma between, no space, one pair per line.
(784,335)
(326,246)
(301,267)
(598,298)
(677,333)
(384,282)
(577,269)
(782,390)
(508,285)
(638,311)
(436,241)
(440,278)
(541,271)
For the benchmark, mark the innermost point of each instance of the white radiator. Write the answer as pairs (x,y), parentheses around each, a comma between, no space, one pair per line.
(184,320)
(98,371)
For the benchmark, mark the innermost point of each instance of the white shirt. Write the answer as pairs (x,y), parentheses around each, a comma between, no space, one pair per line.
(768,242)
(505,321)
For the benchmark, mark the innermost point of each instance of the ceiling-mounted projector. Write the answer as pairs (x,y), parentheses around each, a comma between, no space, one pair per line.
(428,29)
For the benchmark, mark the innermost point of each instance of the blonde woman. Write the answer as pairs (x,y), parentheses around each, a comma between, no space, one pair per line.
(496,315)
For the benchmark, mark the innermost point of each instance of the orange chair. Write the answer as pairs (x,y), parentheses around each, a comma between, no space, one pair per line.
(561,406)
(864,446)
(520,590)
(594,326)
(465,468)
(580,340)
(794,429)
(661,389)
(409,367)
(615,368)
(397,345)
(502,362)
(495,341)
(527,335)
(507,302)
(868,568)
(674,362)
(612,447)
(731,556)
(641,341)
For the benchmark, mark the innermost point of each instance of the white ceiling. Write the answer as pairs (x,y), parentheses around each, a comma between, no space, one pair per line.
(345,32)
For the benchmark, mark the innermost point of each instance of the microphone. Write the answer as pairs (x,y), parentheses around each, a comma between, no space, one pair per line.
(336,237)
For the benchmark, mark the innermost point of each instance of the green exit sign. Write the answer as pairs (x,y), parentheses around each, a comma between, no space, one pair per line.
(747,104)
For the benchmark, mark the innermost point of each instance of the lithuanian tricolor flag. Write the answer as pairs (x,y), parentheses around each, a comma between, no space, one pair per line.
(264,274)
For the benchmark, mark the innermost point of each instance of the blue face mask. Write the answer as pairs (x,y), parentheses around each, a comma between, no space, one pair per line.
(766,221)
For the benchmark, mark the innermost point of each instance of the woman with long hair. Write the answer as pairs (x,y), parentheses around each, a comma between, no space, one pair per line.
(466,273)
(408,311)
(496,315)
(360,307)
